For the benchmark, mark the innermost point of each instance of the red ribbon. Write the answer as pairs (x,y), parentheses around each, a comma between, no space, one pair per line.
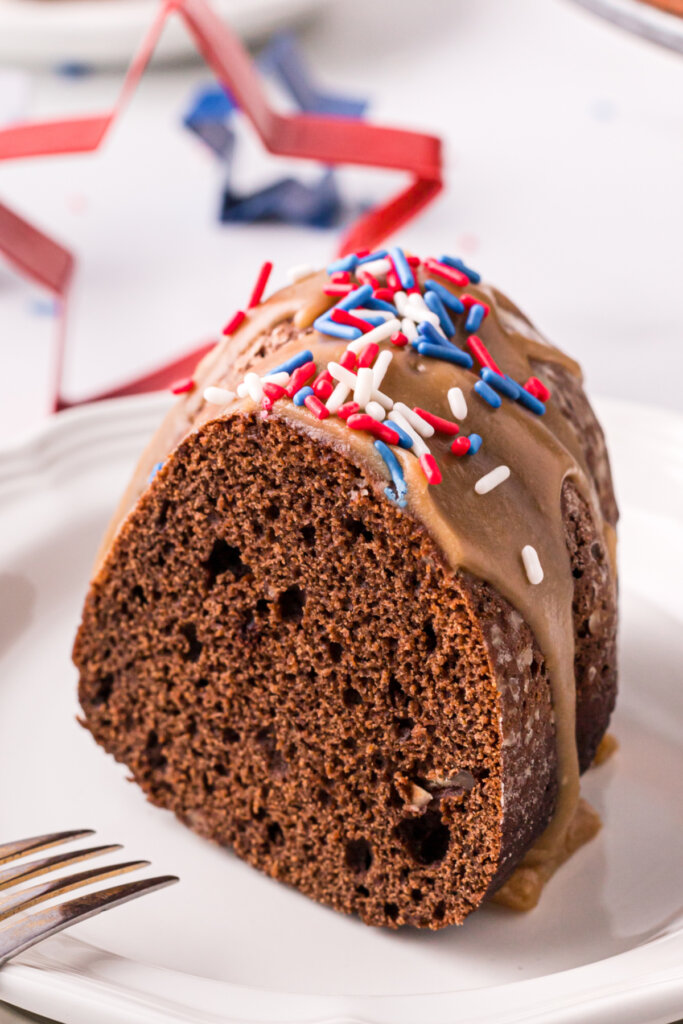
(328,140)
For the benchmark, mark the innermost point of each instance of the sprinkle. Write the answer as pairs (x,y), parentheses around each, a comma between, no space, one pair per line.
(384,400)
(380,368)
(254,386)
(369,257)
(367,278)
(376,317)
(322,389)
(409,329)
(218,396)
(532,564)
(428,332)
(378,267)
(294,363)
(179,387)
(376,336)
(435,303)
(323,375)
(348,360)
(456,400)
(281,377)
(301,395)
(338,396)
(378,304)
(402,267)
(461,446)
(488,394)
(399,339)
(299,272)
(457,264)
(348,409)
(430,469)
(356,297)
(345,263)
(344,376)
(537,388)
(401,302)
(316,407)
(155,469)
(443,426)
(385,295)
(260,286)
(469,300)
(364,384)
(497,476)
(417,310)
(474,318)
(301,376)
(326,325)
(341,277)
(505,385)
(273,391)
(482,354)
(400,424)
(449,273)
(475,443)
(339,290)
(393,465)
(415,420)
(361,421)
(529,402)
(448,299)
(375,410)
(232,325)
(449,354)
(368,355)
(342,316)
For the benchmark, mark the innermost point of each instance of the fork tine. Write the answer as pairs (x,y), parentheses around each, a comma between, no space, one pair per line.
(17,902)
(22,872)
(20,935)
(22,847)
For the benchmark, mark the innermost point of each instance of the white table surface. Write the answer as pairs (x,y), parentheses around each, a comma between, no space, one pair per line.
(564,143)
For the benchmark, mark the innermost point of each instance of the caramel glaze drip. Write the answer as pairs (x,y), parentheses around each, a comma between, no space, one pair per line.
(483,534)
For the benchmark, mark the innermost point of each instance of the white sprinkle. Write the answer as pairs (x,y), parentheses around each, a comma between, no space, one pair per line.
(457,402)
(382,399)
(423,428)
(497,476)
(419,447)
(338,396)
(242,389)
(377,335)
(361,313)
(401,302)
(218,396)
(254,386)
(375,410)
(341,374)
(381,366)
(377,268)
(418,310)
(363,390)
(532,564)
(281,378)
(300,271)
(409,329)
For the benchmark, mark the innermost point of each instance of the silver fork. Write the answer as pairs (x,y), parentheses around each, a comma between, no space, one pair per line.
(18,935)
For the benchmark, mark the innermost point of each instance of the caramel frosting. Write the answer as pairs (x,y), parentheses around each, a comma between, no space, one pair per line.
(481,533)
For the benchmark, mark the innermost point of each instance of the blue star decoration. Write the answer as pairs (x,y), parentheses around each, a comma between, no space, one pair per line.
(289,200)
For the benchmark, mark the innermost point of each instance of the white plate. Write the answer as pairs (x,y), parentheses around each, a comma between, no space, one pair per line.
(641,18)
(108,32)
(226,944)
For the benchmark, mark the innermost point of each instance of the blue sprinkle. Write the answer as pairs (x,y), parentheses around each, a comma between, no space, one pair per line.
(474,318)
(292,364)
(355,298)
(435,303)
(449,353)
(155,469)
(400,489)
(404,440)
(345,263)
(327,326)
(405,274)
(376,319)
(448,299)
(378,254)
(530,402)
(452,261)
(488,394)
(505,385)
(301,395)
(374,303)
(475,444)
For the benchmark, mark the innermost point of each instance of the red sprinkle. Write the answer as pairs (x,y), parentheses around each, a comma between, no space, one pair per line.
(313,403)
(338,289)
(461,446)
(367,278)
(399,339)
(342,316)
(348,360)
(386,294)
(440,424)
(232,325)
(413,261)
(348,409)
(482,354)
(341,277)
(300,378)
(537,388)
(394,281)
(469,300)
(273,390)
(323,375)
(323,389)
(261,282)
(361,253)
(361,421)
(186,384)
(450,273)
(430,469)
(368,355)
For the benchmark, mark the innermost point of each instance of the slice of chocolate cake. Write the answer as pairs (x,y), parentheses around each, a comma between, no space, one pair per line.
(355,617)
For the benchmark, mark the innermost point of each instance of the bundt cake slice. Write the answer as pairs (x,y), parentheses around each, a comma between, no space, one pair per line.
(355,617)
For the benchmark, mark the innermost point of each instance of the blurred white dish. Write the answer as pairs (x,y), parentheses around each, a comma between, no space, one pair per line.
(107,32)
(228,945)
